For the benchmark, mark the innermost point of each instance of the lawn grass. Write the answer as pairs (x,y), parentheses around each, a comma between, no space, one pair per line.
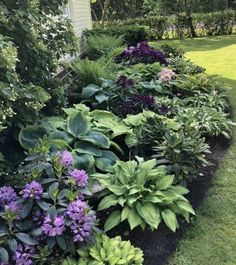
(212,238)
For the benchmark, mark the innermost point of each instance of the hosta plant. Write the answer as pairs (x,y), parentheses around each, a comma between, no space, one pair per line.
(49,216)
(183,153)
(88,134)
(109,251)
(143,194)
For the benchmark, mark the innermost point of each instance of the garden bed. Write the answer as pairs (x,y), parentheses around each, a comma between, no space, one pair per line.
(131,156)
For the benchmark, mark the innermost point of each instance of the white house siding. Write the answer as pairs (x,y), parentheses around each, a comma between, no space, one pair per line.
(80,14)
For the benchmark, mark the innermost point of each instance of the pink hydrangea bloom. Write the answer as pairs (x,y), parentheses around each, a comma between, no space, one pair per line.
(166,75)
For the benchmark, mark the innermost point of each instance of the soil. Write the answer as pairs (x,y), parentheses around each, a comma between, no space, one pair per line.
(160,244)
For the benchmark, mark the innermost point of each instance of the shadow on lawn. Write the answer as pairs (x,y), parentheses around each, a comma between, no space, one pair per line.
(199,44)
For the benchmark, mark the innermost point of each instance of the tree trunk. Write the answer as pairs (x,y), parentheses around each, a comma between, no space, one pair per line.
(104,12)
(189,19)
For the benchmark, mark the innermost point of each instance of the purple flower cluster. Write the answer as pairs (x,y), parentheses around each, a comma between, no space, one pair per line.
(166,75)
(33,190)
(143,53)
(53,227)
(81,218)
(80,176)
(7,196)
(124,81)
(145,100)
(65,158)
(24,255)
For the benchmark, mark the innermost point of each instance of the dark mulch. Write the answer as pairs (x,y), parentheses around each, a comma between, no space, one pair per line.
(159,245)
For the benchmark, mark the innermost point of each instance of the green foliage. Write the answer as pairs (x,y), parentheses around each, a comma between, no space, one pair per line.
(172,26)
(183,153)
(96,46)
(110,251)
(88,134)
(144,195)
(182,66)
(86,72)
(131,34)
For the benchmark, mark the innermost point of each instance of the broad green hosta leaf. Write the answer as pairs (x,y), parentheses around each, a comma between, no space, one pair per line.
(78,124)
(97,139)
(107,202)
(170,220)
(112,221)
(29,136)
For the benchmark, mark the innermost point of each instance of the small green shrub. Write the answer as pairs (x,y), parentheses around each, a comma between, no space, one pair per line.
(143,194)
(110,251)
(101,45)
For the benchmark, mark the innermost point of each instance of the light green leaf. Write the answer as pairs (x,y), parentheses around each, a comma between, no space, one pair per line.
(134,219)
(107,202)
(113,220)
(170,219)
(78,124)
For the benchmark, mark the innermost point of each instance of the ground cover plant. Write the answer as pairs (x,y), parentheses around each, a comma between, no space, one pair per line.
(123,153)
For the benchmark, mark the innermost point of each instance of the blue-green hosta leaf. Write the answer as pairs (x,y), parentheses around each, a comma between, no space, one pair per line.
(87,148)
(84,161)
(97,139)
(29,136)
(101,97)
(113,220)
(90,90)
(107,202)
(106,161)
(78,124)
(59,135)
(170,219)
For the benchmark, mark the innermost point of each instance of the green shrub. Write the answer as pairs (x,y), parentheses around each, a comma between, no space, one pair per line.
(97,46)
(143,194)
(131,34)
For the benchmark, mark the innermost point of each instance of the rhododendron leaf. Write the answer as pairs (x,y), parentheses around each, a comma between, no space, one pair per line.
(27,239)
(43,205)
(4,255)
(26,208)
(61,242)
(12,244)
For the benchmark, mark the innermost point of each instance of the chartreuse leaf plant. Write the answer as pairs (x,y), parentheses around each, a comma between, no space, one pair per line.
(109,251)
(143,194)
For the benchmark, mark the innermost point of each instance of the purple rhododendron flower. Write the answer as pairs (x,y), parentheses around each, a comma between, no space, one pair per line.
(80,176)
(53,227)
(166,75)
(13,207)
(7,195)
(33,190)
(24,255)
(82,219)
(65,158)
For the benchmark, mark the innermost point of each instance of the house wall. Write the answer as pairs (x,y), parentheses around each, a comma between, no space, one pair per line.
(80,14)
